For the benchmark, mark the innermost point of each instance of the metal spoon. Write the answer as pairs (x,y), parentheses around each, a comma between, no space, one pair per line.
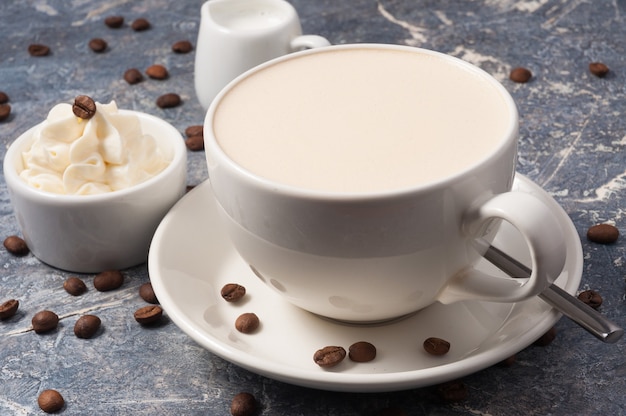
(579,312)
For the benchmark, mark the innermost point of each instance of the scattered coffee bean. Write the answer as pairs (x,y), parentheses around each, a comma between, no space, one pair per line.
(141,24)
(148,314)
(98,45)
(436,346)
(4,98)
(603,233)
(392,411)
(9,308)
(84,107)
(508,362)
(5,111)
(182,46)
(147,293)
(44,321)
(195,130)
(169,100)
(195,143)
(329,356)
(243,404)
(362,352)
(547,338)
(598,69)
(247,323)
(86,326)
(74,286)
(133,76)
(37,49)
(50,401)
(453,391)
(233,292)
(520,75)
(591,298)
(16,245)
(108,280)
(114,22)
(157,71)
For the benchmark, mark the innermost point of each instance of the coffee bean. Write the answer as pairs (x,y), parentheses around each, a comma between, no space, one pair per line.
(50,401)
(195,143)
(147,293)
(329,356)
(9,308)
(508,362)
(4,98)
(108,280)
(520,75)
(436,346)
(114,22)
(603,234)
(141,24)
(74,286)
(591,298)
(148,314)
(182,46)
(195,130)
(453,391)
(169,100)
(133,76)
(547,338)
(86,326)
(16,245)
(243,404)
(98,45)
(247,323)
(157,71)
(362,352)
(5,111)
(598,69)
(37,49)
(44,321)
(233,292)
(84,107)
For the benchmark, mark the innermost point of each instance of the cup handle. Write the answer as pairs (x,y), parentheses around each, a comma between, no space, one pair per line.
(308,42)
(543,234)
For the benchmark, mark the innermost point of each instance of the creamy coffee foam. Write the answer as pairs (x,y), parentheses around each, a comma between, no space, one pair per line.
(361,120)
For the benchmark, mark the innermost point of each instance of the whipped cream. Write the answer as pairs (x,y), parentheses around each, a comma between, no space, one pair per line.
(106,153)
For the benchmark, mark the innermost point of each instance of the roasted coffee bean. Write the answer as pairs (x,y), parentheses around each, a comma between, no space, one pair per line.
(147,293)
(182,46)
(4,98)
(16,245)
(195,143)
(598,69)
(50,401)
(37,49)
(169,100)
(436,346)
(114,22)
(453,391)
(232,292)
(74,286)
(108,280)
(329,356)
(148,314)
(195,130)
(86,326)
(44,321)
(141,24)
(603,234)
(247,323)
(591,298)
(547,338)
(5,111)
(362,352)
(133,76)
(520,75)
(9,308)
(157,71)
(84,107)
(98,45)
(243,404)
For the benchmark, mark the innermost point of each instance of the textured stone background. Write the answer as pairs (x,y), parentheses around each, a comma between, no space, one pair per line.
(573,137)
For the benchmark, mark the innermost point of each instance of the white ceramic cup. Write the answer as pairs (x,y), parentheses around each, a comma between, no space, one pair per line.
(370,251)
(93,233)
(236,35)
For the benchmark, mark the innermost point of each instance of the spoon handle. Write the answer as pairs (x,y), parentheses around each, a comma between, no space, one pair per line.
(584,315)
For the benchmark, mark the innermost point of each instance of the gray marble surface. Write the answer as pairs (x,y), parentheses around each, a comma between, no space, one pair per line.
(573,138)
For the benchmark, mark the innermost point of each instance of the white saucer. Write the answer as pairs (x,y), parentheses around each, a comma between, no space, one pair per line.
(191,258)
